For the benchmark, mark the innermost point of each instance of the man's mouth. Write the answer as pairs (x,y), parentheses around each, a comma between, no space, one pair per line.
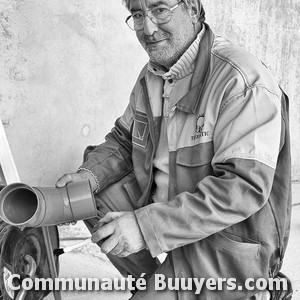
(153,43)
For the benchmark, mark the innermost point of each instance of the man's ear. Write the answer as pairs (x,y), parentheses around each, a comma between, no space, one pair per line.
(194,10)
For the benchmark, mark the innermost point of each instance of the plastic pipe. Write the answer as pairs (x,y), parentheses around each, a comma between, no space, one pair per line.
(25,206)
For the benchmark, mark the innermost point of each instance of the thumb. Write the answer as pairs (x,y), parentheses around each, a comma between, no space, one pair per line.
(61,182)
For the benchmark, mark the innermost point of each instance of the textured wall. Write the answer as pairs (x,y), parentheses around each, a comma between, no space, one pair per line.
(65,77)
(270,30)
(67,68)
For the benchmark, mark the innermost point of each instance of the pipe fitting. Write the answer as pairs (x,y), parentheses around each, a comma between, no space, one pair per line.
(25,206)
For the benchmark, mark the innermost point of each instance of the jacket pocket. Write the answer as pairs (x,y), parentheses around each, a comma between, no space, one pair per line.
(193,164)
(235,244)
(226,255)
(133,189)
(195,156)
(122,195)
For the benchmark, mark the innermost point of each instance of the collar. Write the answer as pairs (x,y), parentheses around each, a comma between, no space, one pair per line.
(184,66)
(189,102)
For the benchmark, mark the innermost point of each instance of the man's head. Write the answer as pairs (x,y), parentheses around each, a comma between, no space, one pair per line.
(166,42)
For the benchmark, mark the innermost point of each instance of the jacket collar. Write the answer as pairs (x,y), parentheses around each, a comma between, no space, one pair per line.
(189,102)
(184,66)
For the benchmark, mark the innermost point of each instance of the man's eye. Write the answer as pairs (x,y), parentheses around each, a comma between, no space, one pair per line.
(137,16)
(159,11)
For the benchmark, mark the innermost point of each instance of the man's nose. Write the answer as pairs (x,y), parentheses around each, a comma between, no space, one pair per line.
(149,27)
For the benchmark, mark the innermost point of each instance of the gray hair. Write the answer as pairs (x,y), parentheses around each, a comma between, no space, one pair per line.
(188,3)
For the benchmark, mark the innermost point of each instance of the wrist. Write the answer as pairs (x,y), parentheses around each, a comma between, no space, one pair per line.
(87,174)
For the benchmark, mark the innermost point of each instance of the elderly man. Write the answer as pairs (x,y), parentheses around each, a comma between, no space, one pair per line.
(198,166)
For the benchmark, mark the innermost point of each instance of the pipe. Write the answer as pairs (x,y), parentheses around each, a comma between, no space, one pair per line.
(25,206)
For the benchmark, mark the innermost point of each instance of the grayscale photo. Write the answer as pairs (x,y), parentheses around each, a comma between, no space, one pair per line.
(149,149)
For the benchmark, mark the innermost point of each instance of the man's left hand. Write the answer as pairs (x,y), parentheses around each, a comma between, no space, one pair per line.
(121,233)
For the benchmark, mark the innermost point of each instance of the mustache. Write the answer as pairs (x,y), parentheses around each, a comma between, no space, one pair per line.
(154,38)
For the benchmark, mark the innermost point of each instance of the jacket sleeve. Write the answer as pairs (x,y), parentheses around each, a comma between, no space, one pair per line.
(112,160)
(246,145)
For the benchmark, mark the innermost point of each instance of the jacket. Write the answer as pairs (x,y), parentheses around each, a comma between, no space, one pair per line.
(229,208)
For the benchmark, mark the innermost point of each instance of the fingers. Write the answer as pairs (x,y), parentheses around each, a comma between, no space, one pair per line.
(118,234)
(67,224)
(124,254)
(110,244)
(61,182)
(74,177)
(102,233)
(110,216)
(117,250)
(97,226)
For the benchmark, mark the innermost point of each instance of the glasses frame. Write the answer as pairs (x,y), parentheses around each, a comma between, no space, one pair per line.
(146,14)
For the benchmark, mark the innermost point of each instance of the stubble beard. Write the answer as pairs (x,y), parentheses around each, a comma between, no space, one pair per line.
(166,55)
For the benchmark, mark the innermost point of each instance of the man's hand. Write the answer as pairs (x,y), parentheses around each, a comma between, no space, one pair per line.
(75,177)
(121,232)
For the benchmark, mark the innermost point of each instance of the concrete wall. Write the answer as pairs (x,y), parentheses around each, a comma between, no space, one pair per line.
(270,30)
(67,68)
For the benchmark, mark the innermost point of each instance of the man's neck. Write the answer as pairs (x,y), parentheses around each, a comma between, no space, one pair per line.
(198,27)
(184,65)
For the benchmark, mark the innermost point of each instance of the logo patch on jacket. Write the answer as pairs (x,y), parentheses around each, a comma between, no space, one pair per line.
(140,129)
(200,132)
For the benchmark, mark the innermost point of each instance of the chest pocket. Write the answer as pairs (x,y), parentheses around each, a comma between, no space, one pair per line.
(195,156)
(192,165)
(140,131)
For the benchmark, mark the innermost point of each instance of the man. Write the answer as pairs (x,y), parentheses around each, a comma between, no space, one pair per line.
(198,166)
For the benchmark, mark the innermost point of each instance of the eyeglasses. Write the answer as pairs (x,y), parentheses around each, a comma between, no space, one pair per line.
(158,15)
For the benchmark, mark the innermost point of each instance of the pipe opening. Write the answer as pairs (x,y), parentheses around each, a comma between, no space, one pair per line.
(20,205)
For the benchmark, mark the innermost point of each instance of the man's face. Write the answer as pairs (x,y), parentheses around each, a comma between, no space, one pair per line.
(165,43)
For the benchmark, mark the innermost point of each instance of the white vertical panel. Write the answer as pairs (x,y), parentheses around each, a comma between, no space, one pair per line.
(6,159)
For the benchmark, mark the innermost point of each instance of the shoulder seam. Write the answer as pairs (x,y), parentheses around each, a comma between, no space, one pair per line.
(246,81)
(237,95)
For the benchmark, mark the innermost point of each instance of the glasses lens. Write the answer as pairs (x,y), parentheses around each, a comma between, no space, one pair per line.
(130,22)
(135,22)
(158,15)
(161,14)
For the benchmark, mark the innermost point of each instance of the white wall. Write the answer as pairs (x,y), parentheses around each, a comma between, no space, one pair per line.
(66,71)
(67,68)
(270,30)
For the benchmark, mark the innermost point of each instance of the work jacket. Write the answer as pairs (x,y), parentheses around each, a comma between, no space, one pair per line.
(228,213)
